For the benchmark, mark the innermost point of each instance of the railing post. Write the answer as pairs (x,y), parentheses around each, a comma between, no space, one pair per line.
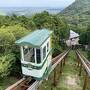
(58,70)
(61,67)
(80,70)
(78,61)
(64,61)
(66,55)
(54,79)
(85,82)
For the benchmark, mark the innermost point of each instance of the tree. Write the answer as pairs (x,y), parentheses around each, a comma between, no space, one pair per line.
(83,38)
(88,35)
(41,19)
(6,40)
(8,36)
(88,41)
(18,31)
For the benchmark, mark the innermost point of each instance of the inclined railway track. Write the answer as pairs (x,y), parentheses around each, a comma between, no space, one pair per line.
(86,66)
(32,84)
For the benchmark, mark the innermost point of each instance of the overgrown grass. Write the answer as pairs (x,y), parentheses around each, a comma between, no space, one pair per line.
(71,71)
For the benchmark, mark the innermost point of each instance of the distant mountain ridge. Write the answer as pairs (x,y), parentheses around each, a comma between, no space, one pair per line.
(28,11)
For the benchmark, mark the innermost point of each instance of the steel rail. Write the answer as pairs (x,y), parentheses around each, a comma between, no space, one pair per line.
(84,62)
(16,84)
(85,59)
(59,60)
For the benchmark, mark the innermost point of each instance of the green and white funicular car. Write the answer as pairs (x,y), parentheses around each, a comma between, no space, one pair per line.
(36,53)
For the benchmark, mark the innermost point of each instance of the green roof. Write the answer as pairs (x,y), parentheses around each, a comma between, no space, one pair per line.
(35,39)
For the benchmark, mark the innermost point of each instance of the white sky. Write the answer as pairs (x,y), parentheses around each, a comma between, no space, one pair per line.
(35,3)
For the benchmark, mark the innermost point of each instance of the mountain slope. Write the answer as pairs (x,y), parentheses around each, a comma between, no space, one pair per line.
(78,7)
(78,13)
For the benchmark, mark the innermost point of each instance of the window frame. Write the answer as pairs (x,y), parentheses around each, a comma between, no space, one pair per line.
(29,52)
(48,46)
(43,57)
(39,55)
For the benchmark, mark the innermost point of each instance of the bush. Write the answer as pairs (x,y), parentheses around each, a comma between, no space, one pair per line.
(56,50)
(6,62)
(8,36)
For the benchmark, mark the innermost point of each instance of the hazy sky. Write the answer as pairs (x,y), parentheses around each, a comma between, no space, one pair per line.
(35,3)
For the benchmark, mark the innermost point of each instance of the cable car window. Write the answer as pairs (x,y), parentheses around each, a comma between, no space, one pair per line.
(44,52)
(25,50)
(38,56)
(47,46)
(29,55)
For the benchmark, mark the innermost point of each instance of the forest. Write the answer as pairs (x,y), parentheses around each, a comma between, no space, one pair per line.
(14,27)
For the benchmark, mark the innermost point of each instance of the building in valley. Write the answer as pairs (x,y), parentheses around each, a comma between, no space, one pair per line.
(73,39)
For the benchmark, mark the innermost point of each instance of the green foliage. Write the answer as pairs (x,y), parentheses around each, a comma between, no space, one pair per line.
(6,62)
(8,36)
(40,19)
(6,40)
(20,20)
(5,37)
(17,30)
(77,14)
(88,40)
(83,38)
(78,7)
(88,35)
(88,54)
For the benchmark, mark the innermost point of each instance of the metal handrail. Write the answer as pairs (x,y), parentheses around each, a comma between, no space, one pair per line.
(83,62)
